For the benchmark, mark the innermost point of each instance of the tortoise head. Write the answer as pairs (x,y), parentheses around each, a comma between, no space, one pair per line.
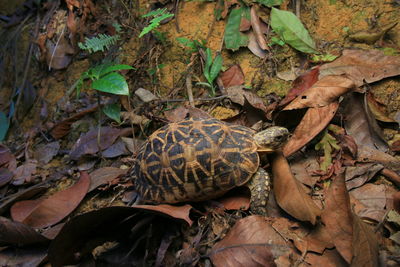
(271,138)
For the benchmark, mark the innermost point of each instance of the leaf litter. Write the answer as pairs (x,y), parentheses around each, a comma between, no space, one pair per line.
(322,206)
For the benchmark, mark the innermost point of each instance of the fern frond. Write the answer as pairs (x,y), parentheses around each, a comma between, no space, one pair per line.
(99,42)
(158,16)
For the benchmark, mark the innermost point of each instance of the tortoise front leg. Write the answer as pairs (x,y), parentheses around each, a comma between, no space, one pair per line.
(260,186)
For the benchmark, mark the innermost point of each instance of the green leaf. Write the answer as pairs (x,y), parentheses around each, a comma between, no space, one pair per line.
(292,31)
(233,38)
(323,58)
(113,83)
(117,67)
(4,125)
(270,3)
(216,67)
(328,143)
(113,111)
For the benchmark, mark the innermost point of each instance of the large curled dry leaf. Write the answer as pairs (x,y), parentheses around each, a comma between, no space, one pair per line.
(313,122)
(41,213)
(249,243)
(322,93)
(290,194)
(368,154)
(337,217)
(239,95)
(363,65)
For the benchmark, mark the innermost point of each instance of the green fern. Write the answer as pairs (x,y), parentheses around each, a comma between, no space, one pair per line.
(99,42)
(158,16)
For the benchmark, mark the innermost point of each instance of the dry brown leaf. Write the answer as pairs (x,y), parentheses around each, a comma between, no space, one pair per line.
(5,176)
(44,153)
(374,199)
(176,114)
(104,175)
(290,194)
(330,258)
(59,54)
(87,144)
(360,65)
(254,47)
(379,112)
(337,217)
(300,84)
(250,242)
(178,212)
(238,201)
(304,168)
(239,95)
(322,93)
(368,154)
(16,233)
(23,174)
(313,122)
(62,128)
(365,244)
(46,212)
(360,124)
(232,77)
(7,159)
(256,25)
(359,174)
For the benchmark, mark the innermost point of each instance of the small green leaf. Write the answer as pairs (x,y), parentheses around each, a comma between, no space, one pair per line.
(323,58)
(117,67)
(270,3)
(234,39)
(292,31)
(207,65)
(4,125)
(158,16)
(113,111)
(113,83)
(328,144)
(216,67)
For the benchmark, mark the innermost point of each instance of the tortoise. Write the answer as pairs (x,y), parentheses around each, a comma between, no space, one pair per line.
(202,159)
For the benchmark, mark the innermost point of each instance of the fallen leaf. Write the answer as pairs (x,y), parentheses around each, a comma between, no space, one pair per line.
(365,244)
(22,195)
(41,213)
(239,95)
(5,176)
(378,111)
(7,159)
(250,242)
(373,199)
(371,36)
(300,84)
(87,144)
(362,127)
(330,258)
(177,114)
(23,174)
(253,45)
(44,153)
(363,65)
(313,122)
(178,212)
(62,128)
(104,176)
(304,168)
(115,150)
(23,257)
(322,93)
(318,240)
(233,76)
(257,28)
(238,201)
(358,175)
(368,154)
(59,55)
(338,218)
(16,233)
(290,194)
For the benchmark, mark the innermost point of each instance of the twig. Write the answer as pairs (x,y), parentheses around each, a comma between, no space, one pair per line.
(298,8)
(195,100)
(189,88)
(178,29)
(26,70)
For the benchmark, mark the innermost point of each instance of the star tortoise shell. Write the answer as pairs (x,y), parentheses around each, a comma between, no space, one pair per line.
(195,160)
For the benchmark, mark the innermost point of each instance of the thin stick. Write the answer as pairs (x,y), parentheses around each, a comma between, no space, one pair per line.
(298,8)
(189,88)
